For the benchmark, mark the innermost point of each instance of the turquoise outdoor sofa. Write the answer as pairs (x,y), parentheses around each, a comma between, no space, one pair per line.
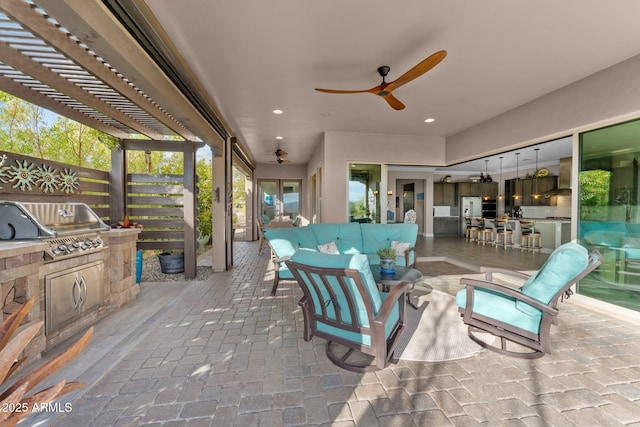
(343,238)
(343,305)
(523,315)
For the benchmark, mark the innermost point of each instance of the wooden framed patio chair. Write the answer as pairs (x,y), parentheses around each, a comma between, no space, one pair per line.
(524,315)
(343,305)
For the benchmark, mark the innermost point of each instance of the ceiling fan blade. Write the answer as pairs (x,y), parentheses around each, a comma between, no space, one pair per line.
(343,91)
(417,70)
(393,102)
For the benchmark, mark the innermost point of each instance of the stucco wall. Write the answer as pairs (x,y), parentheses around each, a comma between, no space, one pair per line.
(590,102)
(340,148)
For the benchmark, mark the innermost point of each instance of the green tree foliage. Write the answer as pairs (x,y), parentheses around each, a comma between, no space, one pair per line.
(594,187)
(33,131)
(204,171)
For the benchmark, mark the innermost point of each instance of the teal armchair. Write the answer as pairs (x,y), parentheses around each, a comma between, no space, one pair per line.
(523,315)
(343,305)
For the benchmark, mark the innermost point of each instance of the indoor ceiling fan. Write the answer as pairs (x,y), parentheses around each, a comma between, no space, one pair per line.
(384,89)
(280,156)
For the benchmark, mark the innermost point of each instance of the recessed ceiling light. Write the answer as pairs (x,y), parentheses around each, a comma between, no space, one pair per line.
(326,114)
(276,111)
(279,137)
(429,120)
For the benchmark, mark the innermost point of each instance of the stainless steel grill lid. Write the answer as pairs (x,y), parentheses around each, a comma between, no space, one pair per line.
(37,220)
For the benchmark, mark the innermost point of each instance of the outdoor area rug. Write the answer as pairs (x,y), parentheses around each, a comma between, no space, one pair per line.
(435,332)
(442,268)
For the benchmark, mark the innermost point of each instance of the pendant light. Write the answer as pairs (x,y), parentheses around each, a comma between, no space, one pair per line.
(486,174)
(516,195)
(500,196)
(535,178)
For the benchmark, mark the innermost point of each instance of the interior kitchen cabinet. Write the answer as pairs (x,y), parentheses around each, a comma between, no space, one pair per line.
(444,194)
(445,226)
(525,189)
(478,189)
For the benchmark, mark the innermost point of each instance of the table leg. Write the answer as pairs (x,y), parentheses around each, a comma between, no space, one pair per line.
(411,303)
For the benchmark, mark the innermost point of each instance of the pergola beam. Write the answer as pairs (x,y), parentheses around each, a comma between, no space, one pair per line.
(9,86)
(47,30)
(17,60)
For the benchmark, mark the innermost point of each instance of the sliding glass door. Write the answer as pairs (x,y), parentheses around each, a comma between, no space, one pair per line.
(279,199)
(609,219)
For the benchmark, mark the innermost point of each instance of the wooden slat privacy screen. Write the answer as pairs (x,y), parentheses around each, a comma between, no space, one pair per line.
(29,179)
(157,202)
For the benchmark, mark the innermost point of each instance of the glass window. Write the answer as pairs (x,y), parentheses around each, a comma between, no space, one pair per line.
(608,212)
(364,192)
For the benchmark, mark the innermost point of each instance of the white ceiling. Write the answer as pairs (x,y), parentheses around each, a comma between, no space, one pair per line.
(253,56)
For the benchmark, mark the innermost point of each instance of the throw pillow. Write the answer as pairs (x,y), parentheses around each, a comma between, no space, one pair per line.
(328,248)
(400,247)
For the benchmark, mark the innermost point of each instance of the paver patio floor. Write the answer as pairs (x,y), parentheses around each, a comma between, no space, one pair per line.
(224,352)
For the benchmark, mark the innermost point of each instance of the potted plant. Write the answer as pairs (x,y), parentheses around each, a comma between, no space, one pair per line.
(387,259)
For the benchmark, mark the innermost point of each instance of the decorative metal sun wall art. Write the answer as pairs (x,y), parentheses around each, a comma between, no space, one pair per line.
(27,175)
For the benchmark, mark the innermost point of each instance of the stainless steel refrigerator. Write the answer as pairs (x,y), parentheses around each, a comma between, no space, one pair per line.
(469,207)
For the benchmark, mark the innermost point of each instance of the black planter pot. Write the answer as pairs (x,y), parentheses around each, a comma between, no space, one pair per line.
(171,264)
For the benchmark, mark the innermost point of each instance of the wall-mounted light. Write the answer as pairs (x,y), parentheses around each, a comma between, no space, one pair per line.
(389,193)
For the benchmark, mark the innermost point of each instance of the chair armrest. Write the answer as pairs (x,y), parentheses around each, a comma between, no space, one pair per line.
(407,252)
(472,284)
(488,273)
(280,260)
(396,294)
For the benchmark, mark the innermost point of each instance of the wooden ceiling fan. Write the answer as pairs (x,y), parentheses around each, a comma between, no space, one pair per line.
(384,89)
(280,156)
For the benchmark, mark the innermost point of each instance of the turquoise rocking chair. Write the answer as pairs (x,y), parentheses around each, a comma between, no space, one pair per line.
(524,316)
(343,305)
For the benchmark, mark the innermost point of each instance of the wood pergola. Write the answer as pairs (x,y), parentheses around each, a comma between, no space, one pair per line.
(79,59)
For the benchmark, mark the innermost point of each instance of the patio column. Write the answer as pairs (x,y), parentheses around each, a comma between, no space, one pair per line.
(218,224)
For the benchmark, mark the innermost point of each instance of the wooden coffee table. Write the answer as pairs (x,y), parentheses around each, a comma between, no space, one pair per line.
(402,275)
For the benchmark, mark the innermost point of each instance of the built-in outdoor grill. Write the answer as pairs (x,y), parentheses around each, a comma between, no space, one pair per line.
(73,269)
(69,228)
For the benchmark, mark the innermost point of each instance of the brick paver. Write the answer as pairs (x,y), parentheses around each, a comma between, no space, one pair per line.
(224,352)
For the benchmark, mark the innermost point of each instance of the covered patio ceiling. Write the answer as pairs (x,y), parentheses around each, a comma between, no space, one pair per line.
(127,96)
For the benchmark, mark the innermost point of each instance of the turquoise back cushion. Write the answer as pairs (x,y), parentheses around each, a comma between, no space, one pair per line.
(376,236)
(285,241)
(346,236)
(562,266)
(356,262)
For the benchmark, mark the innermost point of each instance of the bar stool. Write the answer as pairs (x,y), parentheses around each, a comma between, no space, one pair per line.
(472,230)
(530,239)
(486,234)
(503,233)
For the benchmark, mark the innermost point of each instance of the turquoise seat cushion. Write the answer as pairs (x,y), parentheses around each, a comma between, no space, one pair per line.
(346,236)
(364,339)
(562,266)
(500,307)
